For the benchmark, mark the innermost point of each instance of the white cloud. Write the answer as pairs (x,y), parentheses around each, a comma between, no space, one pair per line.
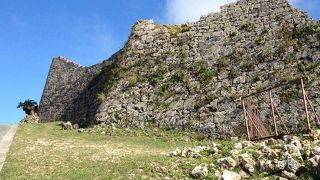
(181,11)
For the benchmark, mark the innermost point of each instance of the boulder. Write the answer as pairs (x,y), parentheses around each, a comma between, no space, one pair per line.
(66,125)
(75,126)
(316,150)
(249,168)
(279,165)
(314,161)
(229,175)
(227,162)
(288,175)
(81,130)
(266,166)
(246,159)
(244,174)
(200,171)
(176,152)
(292,165)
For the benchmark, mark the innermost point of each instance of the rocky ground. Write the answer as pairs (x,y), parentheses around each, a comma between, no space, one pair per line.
(292,157)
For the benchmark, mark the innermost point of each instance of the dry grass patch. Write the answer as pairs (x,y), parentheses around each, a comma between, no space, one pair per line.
(44,151)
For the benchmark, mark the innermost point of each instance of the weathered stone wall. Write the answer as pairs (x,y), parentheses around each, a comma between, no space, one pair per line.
(65,83)
(193,75)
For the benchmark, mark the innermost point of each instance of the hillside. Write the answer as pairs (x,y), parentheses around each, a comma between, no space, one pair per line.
(45,151)
(192,76)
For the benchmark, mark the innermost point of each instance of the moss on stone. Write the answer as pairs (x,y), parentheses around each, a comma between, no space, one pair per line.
(202,72)
(174,30)
(307,29)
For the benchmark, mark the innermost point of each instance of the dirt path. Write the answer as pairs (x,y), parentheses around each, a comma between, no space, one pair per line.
(6,136)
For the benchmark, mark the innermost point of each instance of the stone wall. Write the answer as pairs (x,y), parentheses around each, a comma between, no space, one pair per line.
(192,75)
(65,89)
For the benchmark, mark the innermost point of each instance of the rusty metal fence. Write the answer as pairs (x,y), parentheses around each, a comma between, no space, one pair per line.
(257,128)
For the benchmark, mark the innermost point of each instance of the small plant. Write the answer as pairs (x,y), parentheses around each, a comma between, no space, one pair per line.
(279,17)
(101,97)
(287,40)
(289,58)
(307,29)
(202,72)
(155,79)
(233,34)
(234,73)
(247,65)
(265,31)
(224,61)
(258,76)
(133,79)
(174,30)
(247,27)
(262,37)
(30,107)
(178,76)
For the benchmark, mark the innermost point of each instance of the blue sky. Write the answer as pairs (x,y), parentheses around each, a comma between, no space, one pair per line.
(32,32)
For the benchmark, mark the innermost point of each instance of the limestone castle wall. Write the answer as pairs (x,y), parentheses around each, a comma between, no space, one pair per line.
(192,75)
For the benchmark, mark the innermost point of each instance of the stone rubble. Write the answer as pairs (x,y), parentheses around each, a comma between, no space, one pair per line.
(283,163)
(30,119)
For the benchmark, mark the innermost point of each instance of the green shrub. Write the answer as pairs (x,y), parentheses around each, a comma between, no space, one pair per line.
(133,79)
(202,73)
(155,79)
(258,76)
(178,76)
(307,29)
(289,58)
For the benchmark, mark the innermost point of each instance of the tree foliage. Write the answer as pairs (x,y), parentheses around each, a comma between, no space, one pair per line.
(28,106)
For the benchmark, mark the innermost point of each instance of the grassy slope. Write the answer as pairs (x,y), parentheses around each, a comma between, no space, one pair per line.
(44,151)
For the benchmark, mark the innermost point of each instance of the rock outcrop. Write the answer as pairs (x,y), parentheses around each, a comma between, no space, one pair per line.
(194,75)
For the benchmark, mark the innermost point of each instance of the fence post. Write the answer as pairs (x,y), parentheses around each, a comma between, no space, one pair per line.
(305,104)
(246,118)
(273,114)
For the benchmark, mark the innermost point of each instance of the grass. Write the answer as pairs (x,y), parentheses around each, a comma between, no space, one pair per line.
(45,151)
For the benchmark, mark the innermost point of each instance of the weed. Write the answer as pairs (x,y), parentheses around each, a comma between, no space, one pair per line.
(101,97)
(234,73)
(232,35)
(247,27)
(224,61)
(202,72)
(178,76)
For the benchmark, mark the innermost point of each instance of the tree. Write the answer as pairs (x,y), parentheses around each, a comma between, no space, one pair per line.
(29,106)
